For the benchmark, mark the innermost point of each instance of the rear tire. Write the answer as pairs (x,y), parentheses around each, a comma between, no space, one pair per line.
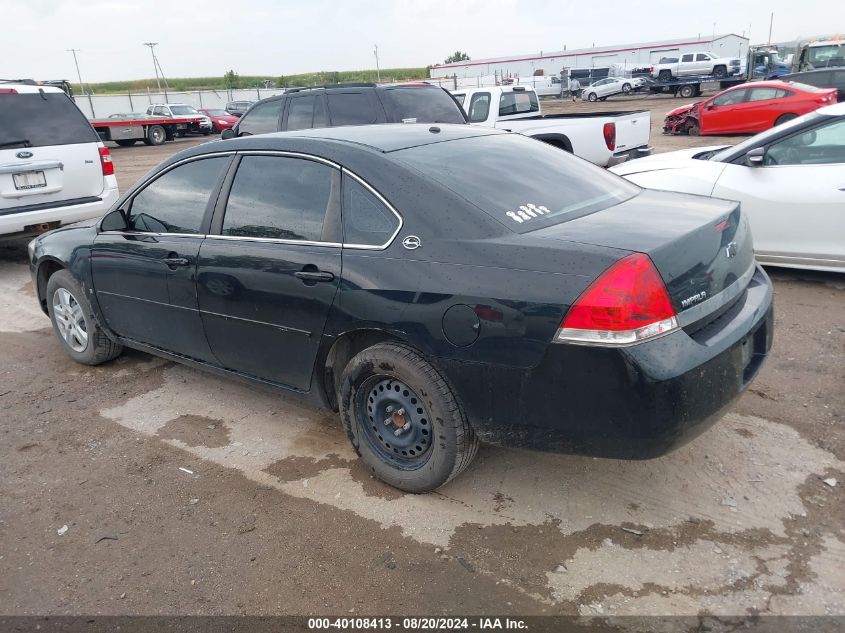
(74,323)
(603,99)
(126,142)
(156,135)
(389,380)
(783,118)
(686,91)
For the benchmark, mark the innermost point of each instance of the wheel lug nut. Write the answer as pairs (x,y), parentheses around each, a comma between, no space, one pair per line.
(388,421)
(398,432)
(401,411)
(389,408)
(407,426)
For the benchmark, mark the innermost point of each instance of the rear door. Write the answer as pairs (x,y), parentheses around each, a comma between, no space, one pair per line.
(145,276)
(49,153)
(268,275)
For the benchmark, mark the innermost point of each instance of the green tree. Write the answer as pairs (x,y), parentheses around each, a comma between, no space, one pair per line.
(231,78)
(457,56)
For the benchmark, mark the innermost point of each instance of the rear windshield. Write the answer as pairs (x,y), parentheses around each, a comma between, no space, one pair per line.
(417,104)
(518,102)
(39,119)
(523,183)
(806,87)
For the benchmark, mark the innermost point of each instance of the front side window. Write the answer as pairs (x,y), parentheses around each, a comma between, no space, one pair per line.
(176,202)
(822,146)
(182,110)
(366,220)
(262,119)
(702,57)
(518,102)
(479,107)
(352,108)
(279,197)
(729,98)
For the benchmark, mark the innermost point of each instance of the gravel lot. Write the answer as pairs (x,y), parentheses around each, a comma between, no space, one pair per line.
(277,517)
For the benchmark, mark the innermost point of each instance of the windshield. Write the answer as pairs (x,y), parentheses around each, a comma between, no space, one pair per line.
(182,109)
(217,113)
(523,183)
(831,55)
(762,138)
(39,119)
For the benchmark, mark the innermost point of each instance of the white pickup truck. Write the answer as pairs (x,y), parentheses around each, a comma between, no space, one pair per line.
(697,64)
(603,138)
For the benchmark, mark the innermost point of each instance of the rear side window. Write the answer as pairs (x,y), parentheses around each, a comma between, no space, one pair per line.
(280,198)
(261,119)
(518,102)
(306,112)
(366,220)
(764,94)
(420,104)
(686,58)
(37,120)
(352,108)
(176,202)
(523,183)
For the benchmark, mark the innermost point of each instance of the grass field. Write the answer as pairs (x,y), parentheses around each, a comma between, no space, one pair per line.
(181,84)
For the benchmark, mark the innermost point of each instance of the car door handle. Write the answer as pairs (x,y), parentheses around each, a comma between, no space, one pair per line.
(314,276)
(176,261)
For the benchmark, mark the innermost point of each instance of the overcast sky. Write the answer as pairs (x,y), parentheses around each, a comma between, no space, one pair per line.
(266,37)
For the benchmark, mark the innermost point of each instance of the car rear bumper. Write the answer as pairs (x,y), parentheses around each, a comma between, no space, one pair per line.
(635,402)
(15,224)
(631,154)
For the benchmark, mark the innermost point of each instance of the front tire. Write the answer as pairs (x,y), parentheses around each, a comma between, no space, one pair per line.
(720,72)
(74,323)
(665,75)
(403,419)
(592,97)
(626,88)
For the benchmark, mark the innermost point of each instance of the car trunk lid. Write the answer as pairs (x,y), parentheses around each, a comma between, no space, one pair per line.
(701,247)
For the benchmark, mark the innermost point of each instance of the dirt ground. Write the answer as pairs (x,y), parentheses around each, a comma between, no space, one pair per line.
(183,493)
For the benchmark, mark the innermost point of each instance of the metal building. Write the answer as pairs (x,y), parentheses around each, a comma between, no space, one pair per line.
(627,56)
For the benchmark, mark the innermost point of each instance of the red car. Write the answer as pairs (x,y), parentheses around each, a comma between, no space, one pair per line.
(220,119)
(748,109)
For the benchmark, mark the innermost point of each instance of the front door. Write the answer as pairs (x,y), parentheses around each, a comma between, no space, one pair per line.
(145,276)
(269,275)
(719,115)
(796,201)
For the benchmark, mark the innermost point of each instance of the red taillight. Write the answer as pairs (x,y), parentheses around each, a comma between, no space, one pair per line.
(106,162)
(609,132)
(627,304)
(8,91)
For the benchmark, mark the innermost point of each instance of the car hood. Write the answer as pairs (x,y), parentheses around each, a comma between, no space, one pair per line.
(667,160)
(683,109)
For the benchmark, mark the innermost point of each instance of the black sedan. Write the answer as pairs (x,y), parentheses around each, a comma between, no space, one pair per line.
(439,286)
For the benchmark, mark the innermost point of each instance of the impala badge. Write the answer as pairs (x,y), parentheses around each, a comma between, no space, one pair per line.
(731,250)
(412,242)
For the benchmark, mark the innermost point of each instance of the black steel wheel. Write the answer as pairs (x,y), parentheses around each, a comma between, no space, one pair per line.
(687,91)
(403,419)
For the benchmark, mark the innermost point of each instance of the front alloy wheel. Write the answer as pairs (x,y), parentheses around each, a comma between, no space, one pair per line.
(70,322)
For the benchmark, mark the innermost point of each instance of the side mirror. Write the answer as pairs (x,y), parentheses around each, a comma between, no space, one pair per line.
(114,221)
(756,156)
(227,134)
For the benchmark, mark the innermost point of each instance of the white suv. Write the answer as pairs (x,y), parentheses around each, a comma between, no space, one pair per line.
(54,170)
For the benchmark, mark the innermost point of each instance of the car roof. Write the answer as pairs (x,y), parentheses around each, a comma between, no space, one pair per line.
(21,88)
(390,137)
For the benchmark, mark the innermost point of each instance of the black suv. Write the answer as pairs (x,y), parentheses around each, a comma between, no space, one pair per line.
(823,78)
(349,104)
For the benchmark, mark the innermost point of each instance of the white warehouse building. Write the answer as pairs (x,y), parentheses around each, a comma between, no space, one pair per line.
(627,56)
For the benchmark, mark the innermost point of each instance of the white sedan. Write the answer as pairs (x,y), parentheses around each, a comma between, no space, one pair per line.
(603,88)
(790,181)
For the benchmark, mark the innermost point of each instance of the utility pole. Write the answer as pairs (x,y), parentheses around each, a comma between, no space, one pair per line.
(152,45)
(771,21)
(378,72)
(79,76)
